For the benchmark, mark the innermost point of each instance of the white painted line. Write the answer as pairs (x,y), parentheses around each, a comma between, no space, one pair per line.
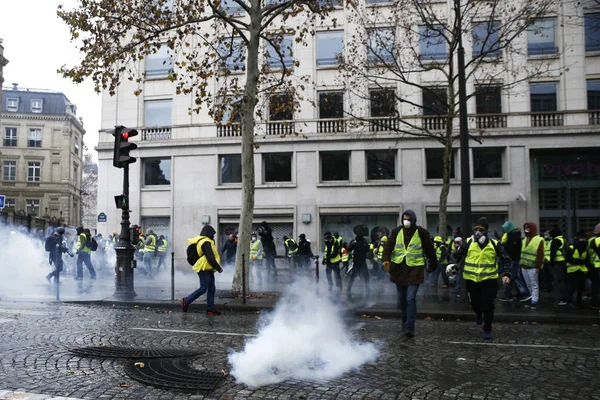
(198,332)
(535,346)
(11,395)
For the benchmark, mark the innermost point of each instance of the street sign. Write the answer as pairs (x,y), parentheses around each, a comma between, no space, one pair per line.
(101,217)
(2,197)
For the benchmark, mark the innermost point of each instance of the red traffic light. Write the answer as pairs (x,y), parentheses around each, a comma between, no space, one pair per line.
(125,135)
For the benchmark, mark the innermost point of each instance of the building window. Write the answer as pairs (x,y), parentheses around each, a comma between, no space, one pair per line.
(9,170)
(487,163)
(380,45)
(592,32)
(541,38)
(593,95)
(434,163)
(381,165)
(335,166)
(231,168)
(35,138)
(543,97)
(159,63)
(10,203)
(277,167)
(76,146)
(36,106)
(33,207)
(383,102)
(12,104)
(232,53)
(435,101)
(10,137)
(488,100)
(281,107)
(331,105)
(330,47)
(34,169)
(281,55)
(486,39)
(158,113)
(75,175)
(232,109)
(157,171)
(432,45)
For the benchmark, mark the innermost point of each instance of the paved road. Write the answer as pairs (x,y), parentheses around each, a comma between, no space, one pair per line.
(446,360)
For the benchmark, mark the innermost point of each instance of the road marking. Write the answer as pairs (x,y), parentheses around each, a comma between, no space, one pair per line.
(198,332)
(10,395)
(536,346)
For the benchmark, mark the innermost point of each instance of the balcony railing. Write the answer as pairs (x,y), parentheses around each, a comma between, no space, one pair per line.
(232,130)
(547,119)
(594,117)
(491,121)
(331,125)
(280,128)
(383,124)
(434,123)
(163,133)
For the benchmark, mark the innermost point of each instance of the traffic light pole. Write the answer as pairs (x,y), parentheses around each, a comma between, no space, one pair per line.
(124,269)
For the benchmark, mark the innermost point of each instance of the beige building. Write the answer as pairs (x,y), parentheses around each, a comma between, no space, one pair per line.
(538,160)
(41,155)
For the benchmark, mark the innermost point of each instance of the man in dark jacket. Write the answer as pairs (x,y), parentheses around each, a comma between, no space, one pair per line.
(359,248)
(304,251)
(405,254)
(229,249)
(268,243)
(55,244)
(511,242)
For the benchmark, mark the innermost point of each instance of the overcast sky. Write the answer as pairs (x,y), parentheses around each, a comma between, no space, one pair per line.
(36,43)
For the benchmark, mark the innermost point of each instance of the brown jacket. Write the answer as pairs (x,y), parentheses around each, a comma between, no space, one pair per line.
(402,274)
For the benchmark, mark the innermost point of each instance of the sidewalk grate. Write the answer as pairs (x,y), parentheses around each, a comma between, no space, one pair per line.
(126,352)
(172,373)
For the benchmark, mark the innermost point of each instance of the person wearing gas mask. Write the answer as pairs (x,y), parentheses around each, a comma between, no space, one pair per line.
(405,254)
(594,272)
(331,260)
(532,260)
(577,259)
(482,255)
(56,247)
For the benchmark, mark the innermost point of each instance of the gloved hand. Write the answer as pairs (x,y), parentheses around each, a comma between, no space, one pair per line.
(451,269)
(386,266)
(323,262)
(219,269)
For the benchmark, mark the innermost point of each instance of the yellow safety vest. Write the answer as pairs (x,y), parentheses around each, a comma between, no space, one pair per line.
(335,259)
(480,264)
(141,244)
(414,253)
(380,252)
(163,248)
(254,246)
(150,247)
(345,255)
(287,243)
(84,249)
(594,259)
(547,247)
(504,238)
(574,267)
(202,264)
(560,252)
(529,252)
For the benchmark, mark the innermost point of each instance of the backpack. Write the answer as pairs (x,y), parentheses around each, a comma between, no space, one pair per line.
(292,246)
(50,243)
(88,241)
(192,254)
(94,245)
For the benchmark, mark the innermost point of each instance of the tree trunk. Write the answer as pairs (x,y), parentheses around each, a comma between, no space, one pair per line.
(248,106)
(446,169)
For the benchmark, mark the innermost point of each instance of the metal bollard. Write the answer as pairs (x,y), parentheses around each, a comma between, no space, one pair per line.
(57,283)
(172,276)
(243,279)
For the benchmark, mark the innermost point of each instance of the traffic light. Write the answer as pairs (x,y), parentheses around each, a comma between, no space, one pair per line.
(122,202)
(121,155)
(134,234)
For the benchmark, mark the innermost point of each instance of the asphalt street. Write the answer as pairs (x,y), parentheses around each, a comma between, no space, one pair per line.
(446,359)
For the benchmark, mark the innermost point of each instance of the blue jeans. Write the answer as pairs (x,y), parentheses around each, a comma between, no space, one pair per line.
(435,275)
(407,295)
(517,280)
(207,284)
(84,258)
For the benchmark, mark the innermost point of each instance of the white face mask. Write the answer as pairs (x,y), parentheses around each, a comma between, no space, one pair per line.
(406,223)
(253,239)
(482,239)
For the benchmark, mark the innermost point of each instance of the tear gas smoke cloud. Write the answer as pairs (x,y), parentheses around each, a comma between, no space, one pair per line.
(23,259)
(304,338)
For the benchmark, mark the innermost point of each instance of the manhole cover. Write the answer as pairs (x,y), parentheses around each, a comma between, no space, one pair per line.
(126,352)
(172,373)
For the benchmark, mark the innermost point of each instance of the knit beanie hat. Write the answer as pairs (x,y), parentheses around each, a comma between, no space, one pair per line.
(482,223)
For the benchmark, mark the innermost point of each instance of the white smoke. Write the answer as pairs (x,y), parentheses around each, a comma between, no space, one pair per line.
(304,339)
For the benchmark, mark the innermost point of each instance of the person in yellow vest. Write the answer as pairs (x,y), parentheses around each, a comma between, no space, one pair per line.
(441,253)
(532,260)
(256,257)
(331,260)
(559,266)
(593,251)
(208,262)
(546,278)
(345,256)
(481,255)
(150,250)
(291,251)
(163,246)
(379,257)
(577,260)
(84,254)
(404,255)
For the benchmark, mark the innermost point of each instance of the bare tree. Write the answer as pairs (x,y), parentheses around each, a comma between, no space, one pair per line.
(401,66)
(209,40)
